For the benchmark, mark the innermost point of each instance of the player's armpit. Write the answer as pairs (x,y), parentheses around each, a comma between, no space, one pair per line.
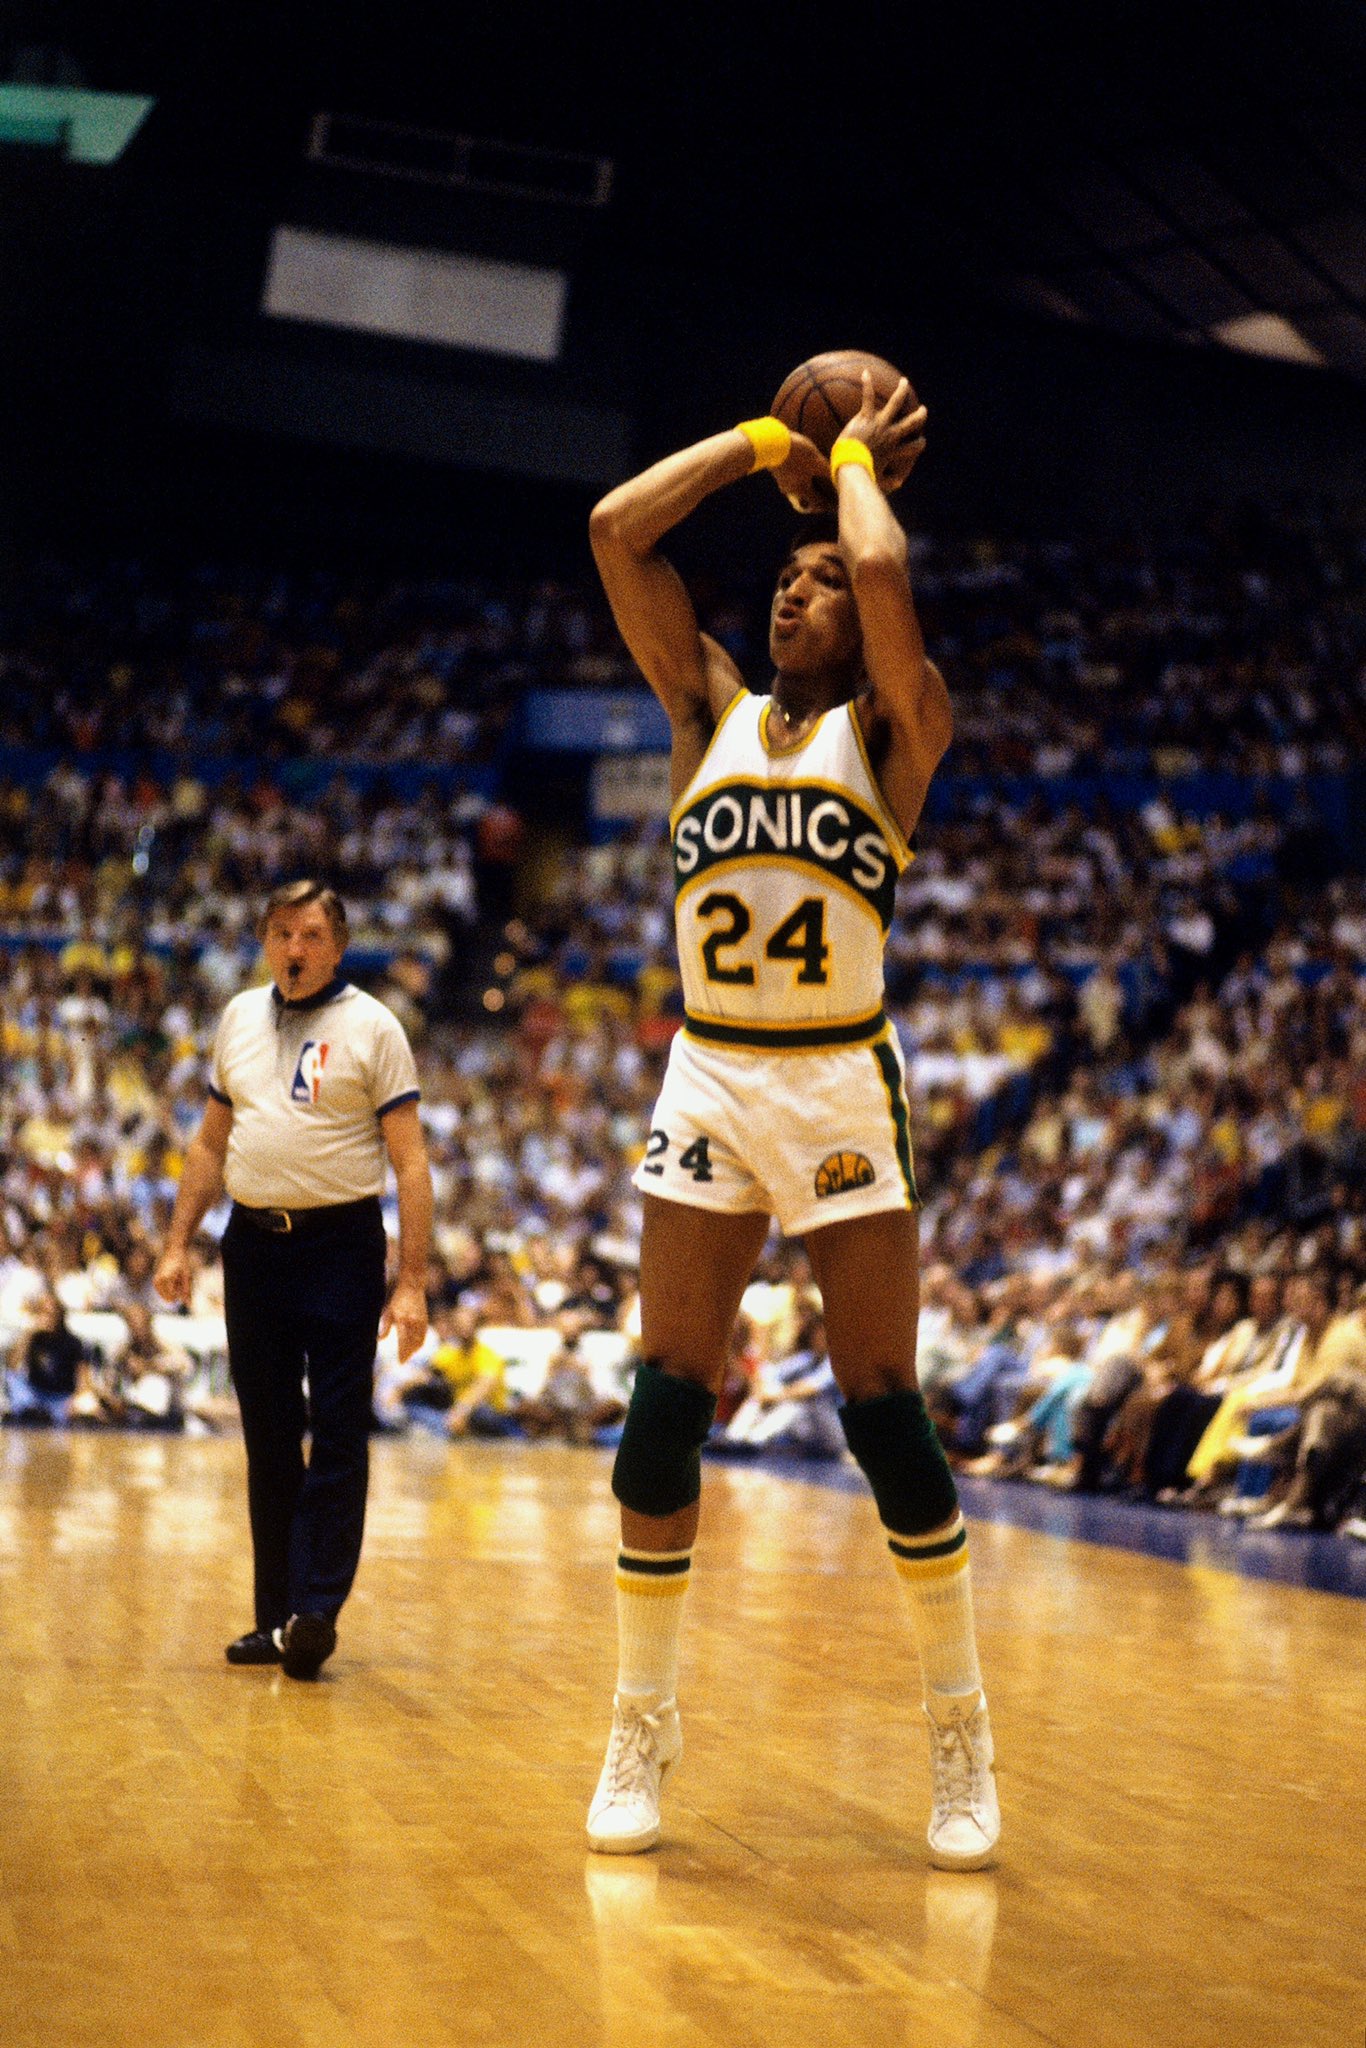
(693,720)
(724,681)
(907,731)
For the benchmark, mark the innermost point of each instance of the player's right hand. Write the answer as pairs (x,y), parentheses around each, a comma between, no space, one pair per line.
(804,479)
(894,433)
(172,1278)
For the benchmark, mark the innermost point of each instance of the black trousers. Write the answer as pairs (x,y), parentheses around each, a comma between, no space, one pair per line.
(305,1303)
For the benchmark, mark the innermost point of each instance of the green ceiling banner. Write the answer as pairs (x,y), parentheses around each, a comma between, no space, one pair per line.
(91,127)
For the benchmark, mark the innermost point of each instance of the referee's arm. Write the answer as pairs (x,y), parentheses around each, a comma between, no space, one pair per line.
(407,1309)
(200,1182)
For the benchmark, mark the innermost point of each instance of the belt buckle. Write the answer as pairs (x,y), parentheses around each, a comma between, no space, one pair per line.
(285,1224)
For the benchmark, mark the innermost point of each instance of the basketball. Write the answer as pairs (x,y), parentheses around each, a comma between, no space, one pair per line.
(822,394)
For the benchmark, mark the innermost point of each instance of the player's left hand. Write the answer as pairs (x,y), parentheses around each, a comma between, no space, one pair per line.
(894,433)
(406,1313)
(804,479)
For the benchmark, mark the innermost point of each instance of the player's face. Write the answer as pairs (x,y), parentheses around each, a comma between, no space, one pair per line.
(301,950)
(813,625)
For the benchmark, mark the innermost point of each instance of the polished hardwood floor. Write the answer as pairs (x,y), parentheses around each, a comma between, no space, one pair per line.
(197,1857)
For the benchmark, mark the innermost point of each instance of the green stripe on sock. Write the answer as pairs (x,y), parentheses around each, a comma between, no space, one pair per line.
(653,1567)
(899,1546)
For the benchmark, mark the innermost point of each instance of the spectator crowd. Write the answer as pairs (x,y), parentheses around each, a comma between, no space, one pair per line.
(1134,1031)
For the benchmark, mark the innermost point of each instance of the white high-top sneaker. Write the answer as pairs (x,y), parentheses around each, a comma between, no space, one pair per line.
(966,1820)
(646,1742)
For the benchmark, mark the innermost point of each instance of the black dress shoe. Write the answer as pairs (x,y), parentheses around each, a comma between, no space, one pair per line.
(258,1646)
(309,1640)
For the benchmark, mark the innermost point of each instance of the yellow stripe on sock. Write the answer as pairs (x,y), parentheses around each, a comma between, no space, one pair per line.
(653,1589)
(921,1568)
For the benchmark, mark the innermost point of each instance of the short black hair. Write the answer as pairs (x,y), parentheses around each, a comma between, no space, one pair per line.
(813,530)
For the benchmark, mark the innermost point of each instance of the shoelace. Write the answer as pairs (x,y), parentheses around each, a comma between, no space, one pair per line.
(956,1769)
(633,1755)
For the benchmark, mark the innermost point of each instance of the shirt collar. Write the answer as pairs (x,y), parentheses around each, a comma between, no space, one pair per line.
(313,1002)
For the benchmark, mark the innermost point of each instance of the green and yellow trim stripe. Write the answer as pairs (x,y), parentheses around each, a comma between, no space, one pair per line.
(900,1114)
(786,1037)
(771,747)
(942,1559)
(874,810)
(655,1574)
(901,847)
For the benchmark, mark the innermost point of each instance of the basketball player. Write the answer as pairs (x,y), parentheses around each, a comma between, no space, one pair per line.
(784,1094)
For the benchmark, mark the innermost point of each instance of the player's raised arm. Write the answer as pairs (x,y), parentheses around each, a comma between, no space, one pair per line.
(691,674)
(906,716)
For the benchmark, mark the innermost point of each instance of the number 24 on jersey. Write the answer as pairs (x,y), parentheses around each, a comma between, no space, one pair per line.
(799,939)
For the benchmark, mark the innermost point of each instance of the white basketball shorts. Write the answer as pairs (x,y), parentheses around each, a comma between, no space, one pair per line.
(809,1137)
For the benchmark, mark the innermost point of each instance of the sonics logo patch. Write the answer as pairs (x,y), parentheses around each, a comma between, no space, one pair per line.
(842,1171)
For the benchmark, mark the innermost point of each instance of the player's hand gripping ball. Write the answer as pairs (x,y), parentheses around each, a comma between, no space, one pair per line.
(823,395)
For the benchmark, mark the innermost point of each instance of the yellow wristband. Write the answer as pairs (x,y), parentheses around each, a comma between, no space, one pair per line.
(847,449)
(770,440)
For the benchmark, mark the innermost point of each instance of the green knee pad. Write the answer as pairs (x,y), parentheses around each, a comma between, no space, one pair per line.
(895,1442)
(658,1468)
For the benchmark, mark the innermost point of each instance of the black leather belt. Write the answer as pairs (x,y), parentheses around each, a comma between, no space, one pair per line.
(290,1222)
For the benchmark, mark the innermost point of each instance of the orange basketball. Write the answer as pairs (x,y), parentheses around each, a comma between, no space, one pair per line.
(822,394)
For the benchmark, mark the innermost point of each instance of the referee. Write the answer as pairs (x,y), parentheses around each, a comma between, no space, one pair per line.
(313,1083)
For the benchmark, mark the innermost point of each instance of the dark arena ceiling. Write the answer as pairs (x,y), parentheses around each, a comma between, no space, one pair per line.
(1191,175)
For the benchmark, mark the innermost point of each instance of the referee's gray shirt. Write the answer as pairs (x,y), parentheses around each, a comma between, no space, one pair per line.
(308,1084)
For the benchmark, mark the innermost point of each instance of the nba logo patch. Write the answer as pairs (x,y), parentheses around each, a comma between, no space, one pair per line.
(307,1084)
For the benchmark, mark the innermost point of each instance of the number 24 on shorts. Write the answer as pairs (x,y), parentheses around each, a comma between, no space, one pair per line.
(696,1160)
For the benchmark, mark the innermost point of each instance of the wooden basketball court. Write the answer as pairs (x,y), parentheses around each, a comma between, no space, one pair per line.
(199,1857)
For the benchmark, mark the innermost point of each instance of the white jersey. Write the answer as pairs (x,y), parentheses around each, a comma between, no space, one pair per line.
(786,861)
(308,1084)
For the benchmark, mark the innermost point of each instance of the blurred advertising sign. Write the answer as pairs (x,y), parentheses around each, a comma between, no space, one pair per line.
(630,786)
(594,722)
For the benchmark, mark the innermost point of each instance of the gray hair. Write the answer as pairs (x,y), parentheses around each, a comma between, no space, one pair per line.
(294,895)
